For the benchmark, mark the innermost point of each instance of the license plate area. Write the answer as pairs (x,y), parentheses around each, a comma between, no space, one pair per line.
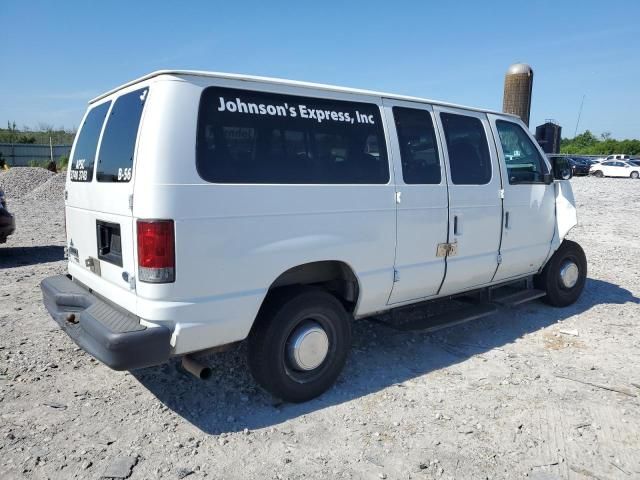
(109,242)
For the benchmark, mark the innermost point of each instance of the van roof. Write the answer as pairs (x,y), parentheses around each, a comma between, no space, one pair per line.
(293,83)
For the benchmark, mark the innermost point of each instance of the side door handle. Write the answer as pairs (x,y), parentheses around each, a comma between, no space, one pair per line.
(457,225)
(506,219)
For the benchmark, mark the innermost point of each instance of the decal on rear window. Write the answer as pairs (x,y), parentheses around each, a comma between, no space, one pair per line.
(118,146)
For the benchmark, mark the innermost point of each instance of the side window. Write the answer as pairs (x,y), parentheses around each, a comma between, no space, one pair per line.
(115,159)
(418,147)
(258,137)
(524,162)
(469,158)
(85,152)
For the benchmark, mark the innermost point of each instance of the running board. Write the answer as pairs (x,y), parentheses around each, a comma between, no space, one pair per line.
(511,299)
(449,319)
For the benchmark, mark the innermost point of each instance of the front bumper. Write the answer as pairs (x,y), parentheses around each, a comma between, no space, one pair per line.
(7,224)
(113,336)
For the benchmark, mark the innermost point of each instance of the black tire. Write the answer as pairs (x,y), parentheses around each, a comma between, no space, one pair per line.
(634,175)
(598,173)
(282,313)
(549,280)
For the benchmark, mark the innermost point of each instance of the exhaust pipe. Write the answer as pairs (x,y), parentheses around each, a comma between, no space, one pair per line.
(195,368)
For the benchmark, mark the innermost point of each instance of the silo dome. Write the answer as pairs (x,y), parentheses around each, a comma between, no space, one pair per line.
(518,68)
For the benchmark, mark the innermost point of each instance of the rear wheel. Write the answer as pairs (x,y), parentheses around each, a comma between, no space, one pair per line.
(564,275)
(299,344)
(634,175)
(598,173)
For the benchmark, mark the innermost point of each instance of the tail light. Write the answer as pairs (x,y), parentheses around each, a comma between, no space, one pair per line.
(156,251)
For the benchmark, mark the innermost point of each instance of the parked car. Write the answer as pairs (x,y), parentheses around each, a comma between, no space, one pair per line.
(579,166)
(635,162)
(616,157)
(7,221)
(217,208)
(615,169)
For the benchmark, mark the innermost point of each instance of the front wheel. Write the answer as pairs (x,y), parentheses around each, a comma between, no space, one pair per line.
(634,175)
(598,173)
(564,275)
(299,344)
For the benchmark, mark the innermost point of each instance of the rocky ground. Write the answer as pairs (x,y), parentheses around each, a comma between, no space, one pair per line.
(530,392)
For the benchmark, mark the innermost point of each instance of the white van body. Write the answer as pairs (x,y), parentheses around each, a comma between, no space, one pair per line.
(387,243)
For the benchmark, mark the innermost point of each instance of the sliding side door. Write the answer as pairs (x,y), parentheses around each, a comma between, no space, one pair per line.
(421,200)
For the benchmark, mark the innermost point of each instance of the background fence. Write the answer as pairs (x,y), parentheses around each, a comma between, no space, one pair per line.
(24,154)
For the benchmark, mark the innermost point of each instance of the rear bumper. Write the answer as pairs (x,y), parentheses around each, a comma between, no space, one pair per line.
(7,224)
(113,336)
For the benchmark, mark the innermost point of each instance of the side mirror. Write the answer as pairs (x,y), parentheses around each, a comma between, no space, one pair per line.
(547,178)
(561,168)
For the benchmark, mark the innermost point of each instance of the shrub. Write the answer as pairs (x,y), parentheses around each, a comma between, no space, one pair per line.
(63,162)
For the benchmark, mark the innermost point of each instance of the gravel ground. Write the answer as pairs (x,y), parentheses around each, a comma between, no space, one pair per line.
(530,392)
(20,181)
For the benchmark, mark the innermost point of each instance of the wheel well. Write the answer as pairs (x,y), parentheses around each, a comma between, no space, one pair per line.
(336,277)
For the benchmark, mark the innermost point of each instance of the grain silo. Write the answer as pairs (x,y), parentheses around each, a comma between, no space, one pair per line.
(518,83)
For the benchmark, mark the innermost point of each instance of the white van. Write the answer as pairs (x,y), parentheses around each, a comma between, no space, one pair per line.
(203,209)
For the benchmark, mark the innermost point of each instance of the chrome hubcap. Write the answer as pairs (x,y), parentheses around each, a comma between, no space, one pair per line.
(308,346)
(569,274)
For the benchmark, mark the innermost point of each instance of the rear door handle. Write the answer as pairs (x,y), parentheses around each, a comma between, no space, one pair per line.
(506,219)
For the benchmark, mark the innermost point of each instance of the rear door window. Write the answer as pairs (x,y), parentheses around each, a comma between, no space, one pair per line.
(259,137)
(85,151)
(468,149)
(115,159)
(418,148)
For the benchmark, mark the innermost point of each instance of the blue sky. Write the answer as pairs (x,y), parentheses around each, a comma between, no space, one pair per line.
(57,55)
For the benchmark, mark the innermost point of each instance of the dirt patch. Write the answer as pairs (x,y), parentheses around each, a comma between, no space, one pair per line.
(558,341)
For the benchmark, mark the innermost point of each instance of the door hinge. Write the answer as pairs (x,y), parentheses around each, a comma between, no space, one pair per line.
(130,279)
(499,259)
(131,202)
(501,192)
(396,276)
(447,249)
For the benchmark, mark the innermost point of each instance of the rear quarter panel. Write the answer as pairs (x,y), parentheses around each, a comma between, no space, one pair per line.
(234,240)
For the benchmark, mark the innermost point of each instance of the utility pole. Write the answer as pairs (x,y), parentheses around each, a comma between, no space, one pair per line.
(579,114)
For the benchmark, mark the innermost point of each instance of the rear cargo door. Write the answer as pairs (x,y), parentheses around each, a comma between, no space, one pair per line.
(100,227)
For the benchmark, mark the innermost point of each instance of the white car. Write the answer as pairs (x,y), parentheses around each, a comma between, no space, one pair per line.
(203,209)
(615,168)
(617,157)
